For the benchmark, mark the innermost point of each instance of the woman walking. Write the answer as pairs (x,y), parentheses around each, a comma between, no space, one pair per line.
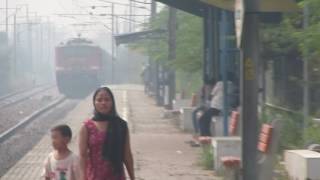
(104,142)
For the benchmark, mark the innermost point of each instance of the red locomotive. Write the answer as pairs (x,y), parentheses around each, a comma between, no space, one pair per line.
(79,66)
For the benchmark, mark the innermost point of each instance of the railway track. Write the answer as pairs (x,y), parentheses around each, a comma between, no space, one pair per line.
(25,132)
(20,108)
(25,121)
(19,96)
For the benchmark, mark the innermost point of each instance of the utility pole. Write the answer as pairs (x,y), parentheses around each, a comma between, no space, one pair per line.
(153,9)
(7,18)
(306,88)
(41,43)
(130,16)
(53,35)
(154,65)
(49,39)
(30,36)
(112,43)
(133,19)
(47,48)
(17,38)
(172,26)
(14,45)
(27,59)
(249,89)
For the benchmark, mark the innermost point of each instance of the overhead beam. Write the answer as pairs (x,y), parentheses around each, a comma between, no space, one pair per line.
(194,7)
(265,5)
(137,36)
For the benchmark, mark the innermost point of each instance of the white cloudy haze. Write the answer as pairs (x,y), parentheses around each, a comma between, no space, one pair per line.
(71,24)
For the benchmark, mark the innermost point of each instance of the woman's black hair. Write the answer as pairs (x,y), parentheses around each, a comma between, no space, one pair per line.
(113,147)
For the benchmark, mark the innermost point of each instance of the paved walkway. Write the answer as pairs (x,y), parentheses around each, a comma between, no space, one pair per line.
(161,151)
(159,148)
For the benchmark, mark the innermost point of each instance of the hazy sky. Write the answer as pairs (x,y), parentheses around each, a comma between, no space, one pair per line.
(72,23)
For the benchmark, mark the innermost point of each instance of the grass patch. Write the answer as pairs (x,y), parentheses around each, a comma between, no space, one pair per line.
(280,171)
(206,157)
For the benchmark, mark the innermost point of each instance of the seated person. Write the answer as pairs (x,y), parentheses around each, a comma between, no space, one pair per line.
(216,104)
(202,106)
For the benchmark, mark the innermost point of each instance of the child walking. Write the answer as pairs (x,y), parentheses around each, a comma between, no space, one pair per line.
(62,163)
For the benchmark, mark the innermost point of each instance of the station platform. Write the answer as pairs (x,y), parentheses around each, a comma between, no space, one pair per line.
(159,148)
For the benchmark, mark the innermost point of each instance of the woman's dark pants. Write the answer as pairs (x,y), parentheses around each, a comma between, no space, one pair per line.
(205,121)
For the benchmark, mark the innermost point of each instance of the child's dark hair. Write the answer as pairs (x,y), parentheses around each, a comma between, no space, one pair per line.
(64,130)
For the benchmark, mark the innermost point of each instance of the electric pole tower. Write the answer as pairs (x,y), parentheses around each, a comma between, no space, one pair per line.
(112,43)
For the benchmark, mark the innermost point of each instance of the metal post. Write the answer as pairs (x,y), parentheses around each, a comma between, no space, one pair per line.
(206,43)
(30,42)
(224,68)
(133,17)
(34,53)
(41,43)
(38,50)
(116,32)
(130,16)
(156,64)
(49,40)
(14,45)
(209,58)
(306,88)
(172,25)
(28,31)
(7,18)
(153,9)
(249,90)
(53,42)
(112,43)
(211,46)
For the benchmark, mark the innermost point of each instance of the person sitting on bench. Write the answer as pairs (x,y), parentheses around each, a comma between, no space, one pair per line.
(216,105)
(202,106)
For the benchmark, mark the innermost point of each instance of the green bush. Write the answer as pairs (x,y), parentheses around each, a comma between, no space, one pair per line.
(206,158)
(312,133)
(292,127)
(295,134)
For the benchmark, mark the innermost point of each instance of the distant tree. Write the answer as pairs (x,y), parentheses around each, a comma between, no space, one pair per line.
(189,42)
(290,40)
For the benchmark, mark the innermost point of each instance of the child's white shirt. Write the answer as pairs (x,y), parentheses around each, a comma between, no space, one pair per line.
(64,169)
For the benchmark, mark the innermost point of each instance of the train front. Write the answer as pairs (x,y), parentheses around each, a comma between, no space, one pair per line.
(78,65)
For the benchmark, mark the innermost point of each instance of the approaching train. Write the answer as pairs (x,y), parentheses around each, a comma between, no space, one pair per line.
(79,67)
